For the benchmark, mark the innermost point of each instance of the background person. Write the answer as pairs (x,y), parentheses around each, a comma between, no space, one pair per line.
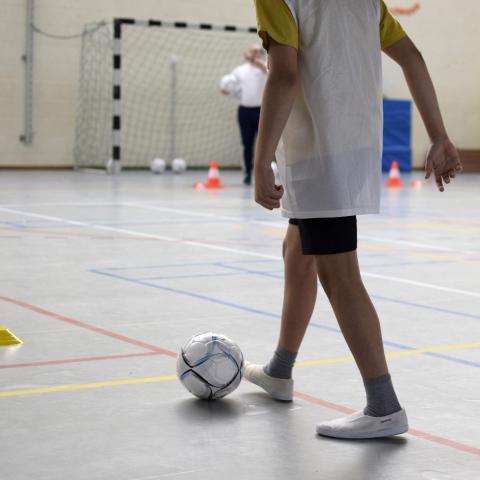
(250,78)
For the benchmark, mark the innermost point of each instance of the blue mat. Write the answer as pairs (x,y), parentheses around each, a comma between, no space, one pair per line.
(397,127)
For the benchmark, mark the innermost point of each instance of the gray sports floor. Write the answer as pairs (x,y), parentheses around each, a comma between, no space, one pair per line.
(104,278)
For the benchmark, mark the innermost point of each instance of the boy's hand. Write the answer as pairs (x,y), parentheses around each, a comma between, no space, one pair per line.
(267,194)
(443,160)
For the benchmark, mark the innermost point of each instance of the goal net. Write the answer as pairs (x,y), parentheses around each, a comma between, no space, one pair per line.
(150,89)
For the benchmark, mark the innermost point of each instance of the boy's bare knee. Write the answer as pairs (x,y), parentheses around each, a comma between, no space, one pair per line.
(338,273)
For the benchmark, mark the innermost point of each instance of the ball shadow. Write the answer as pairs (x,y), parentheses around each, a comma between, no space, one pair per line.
(200,410)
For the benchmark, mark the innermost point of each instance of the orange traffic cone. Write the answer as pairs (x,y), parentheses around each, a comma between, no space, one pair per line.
(394,177)
(213,179)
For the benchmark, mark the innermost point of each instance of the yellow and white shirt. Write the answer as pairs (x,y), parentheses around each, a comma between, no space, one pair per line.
(329,156)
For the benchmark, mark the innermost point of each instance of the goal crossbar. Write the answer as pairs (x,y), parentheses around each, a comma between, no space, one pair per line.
(118,26)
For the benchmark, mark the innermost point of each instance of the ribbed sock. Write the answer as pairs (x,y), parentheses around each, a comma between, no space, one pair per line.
(281,364)
(381,397)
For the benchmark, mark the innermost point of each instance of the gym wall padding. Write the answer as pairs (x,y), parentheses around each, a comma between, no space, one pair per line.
(397,134)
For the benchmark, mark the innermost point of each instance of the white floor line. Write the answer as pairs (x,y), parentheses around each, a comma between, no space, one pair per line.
(138,234)
(279,224)
(190,213)
(61,204)
(421,284)
(224,249)
(425,246)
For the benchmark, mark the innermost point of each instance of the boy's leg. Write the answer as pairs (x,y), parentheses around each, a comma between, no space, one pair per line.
(340,277)
(247,132)
(300,293)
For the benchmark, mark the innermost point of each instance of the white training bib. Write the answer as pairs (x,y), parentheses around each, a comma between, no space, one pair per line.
(329,156)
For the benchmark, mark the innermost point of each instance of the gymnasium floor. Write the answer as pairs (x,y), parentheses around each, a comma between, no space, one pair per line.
(104,278)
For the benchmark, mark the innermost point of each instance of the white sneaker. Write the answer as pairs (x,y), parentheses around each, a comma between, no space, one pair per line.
(359,425)
(278,388)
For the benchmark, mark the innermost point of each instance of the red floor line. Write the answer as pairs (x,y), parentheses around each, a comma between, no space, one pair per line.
(444,441)
(79,360)
(87,326)
(412,431)
(303,396)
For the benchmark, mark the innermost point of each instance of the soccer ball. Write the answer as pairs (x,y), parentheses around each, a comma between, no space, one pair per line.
(210,366)
(231,86)
(179,165)
(158,165)
(113,167)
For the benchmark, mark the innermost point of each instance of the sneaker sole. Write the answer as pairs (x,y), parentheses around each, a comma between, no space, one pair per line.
(273,394)
(387,432)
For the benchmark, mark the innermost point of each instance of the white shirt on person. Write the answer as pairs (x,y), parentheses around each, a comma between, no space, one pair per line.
(252,83)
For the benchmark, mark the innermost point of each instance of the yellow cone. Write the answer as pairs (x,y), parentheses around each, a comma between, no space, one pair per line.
(7,338)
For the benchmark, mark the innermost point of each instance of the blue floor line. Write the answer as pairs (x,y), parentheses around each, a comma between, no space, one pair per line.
(199,275)
(270,315)
(378,297)
(14,225)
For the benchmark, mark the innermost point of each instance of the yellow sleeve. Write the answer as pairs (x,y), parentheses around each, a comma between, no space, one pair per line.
(275,20)
(390,29)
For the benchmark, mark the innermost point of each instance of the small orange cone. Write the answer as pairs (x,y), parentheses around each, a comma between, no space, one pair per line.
(394,177)
(418,184)
(213,179)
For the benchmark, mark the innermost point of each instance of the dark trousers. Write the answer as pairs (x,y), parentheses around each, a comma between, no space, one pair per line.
(248,118)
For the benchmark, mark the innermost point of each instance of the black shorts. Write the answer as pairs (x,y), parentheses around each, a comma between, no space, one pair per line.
(327,236)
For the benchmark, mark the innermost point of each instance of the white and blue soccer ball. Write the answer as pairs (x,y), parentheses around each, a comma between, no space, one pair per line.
(158,165)
(179,165)
(210,366)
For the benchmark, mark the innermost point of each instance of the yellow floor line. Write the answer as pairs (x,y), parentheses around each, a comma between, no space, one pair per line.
(325,361)
(397,353)
(444,348)
(82,386)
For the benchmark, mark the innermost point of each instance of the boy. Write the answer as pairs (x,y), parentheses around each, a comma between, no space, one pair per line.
(323,98)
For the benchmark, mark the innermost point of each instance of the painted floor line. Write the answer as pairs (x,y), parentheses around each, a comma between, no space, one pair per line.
(307,363)
(277,224)
(283,225)
(226,249)
(79,360)
(85,386)
(271,315)
(87,326)
(279,276)
(421,284)
(302,396)
(392,354)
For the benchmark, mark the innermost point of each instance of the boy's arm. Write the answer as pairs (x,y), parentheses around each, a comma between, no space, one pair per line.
(442,159)
(278,97)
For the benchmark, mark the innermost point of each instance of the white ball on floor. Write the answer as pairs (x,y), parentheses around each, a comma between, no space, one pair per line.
(113,166)
(158,165)
(179,165)
(210,366)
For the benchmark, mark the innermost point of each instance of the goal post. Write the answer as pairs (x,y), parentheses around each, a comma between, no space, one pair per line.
(164,97)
